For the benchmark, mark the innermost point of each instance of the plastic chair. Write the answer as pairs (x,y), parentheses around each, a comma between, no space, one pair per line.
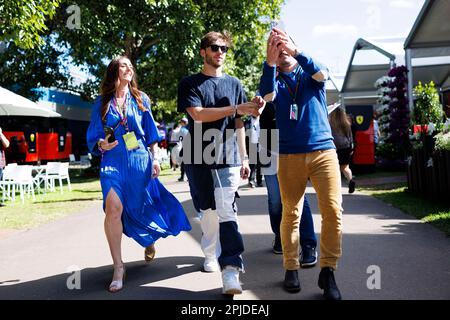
(57,170)
(7,183)
(23,178)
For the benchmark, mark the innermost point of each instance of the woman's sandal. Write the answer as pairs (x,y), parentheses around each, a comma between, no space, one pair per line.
(150,253)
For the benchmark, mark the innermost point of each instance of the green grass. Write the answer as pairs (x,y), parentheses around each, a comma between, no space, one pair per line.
(168,174)
(50,206)
(381,174)
(437,214)
(54,205)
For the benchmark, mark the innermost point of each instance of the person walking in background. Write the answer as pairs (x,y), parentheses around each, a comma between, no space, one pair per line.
(252,143)
(4,143)
(182,132)
(134,201)
(214,102)
(307,153)
(376,132)
(341,129)
(170,145)
(175,149)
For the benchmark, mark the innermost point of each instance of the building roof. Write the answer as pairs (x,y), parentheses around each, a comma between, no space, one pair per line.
(429,44)
(379,55)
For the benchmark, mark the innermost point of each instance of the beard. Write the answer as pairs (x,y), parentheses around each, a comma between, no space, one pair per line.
(210,60)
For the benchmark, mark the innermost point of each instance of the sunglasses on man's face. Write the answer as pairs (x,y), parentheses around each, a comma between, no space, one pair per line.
(215,48)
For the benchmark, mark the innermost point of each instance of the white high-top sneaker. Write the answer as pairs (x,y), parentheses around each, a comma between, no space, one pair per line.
(230,280)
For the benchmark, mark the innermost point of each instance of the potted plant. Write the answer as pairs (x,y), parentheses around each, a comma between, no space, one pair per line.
(427,115)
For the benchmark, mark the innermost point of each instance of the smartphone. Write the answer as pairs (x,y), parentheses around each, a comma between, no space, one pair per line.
(110,131)
(273,24)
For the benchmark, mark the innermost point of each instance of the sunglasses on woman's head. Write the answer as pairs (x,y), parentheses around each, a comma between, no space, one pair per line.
(215,48)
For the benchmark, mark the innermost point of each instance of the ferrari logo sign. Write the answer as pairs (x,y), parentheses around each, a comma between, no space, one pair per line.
(32,137)
(359,119)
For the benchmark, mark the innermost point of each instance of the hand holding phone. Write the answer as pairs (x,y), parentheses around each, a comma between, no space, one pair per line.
(109,131)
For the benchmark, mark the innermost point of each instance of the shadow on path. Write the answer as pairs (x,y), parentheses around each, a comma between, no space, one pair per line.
(94,283)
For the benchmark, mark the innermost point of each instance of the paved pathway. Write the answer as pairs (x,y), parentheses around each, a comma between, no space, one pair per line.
(412,257)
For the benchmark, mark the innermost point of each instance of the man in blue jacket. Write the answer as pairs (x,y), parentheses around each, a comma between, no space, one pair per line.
(306,152)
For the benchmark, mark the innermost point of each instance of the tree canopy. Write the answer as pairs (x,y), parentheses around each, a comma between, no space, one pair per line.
(161,38)
(24,21)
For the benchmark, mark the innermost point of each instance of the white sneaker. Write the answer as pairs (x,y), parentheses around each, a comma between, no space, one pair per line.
(230,279)
(211,265)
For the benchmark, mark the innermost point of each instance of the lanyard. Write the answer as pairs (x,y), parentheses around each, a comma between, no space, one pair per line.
(292,94)
(123,117)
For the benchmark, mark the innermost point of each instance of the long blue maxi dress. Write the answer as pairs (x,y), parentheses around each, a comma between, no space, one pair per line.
(150,211)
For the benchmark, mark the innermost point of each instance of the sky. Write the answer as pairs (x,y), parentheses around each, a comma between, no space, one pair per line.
(328,29)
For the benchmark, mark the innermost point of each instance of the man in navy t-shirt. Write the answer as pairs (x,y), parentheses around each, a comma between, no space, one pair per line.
(306,152)
(215,157)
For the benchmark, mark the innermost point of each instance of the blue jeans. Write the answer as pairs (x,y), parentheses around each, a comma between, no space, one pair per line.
(307,234)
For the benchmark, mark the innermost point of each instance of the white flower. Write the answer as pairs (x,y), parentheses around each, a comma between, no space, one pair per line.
(383,81)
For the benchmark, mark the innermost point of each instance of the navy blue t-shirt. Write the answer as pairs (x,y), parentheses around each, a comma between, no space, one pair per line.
(200,90)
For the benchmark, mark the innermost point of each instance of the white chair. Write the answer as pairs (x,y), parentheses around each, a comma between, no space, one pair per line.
(7,183)
(86,160)
(23,178)
(57,170)
(39,177)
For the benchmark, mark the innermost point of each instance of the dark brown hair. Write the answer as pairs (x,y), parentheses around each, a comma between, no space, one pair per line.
(108,86)
(213,36)
(340,122)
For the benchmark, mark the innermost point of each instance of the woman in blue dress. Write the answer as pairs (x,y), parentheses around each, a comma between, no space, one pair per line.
(134,201)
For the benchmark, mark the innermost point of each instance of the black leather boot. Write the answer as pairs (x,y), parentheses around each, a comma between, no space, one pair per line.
(328,284)
(291,282)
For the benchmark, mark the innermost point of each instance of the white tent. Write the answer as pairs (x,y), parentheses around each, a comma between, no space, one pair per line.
(12,104)
(427,46)
(371,59)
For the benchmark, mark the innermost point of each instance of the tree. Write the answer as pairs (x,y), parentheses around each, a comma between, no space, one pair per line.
(428,114)
(23,21)
(24,70)
(162,38)
(427,106)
